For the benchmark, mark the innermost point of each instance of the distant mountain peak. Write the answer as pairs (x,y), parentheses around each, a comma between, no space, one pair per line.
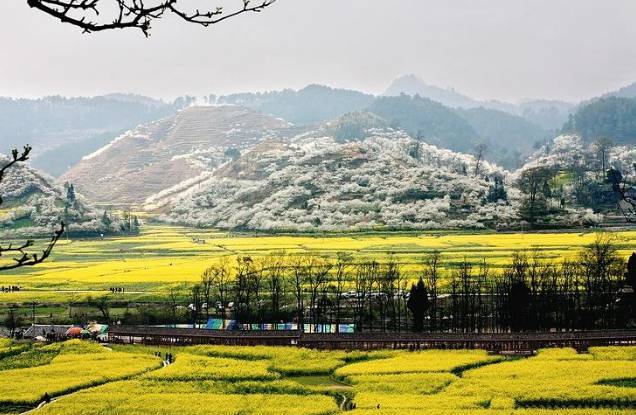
(413,85)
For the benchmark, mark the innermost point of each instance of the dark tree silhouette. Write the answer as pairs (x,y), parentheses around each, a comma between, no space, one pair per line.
(418,304)
(630,275)
(99,15)
(24,257)
(12,320)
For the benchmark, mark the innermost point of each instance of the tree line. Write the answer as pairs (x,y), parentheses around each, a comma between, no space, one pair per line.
(592,290)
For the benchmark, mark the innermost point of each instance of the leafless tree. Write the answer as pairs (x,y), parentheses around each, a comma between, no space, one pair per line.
(603,147)
(343,262)
(195,306)
(244,287)
(102,304)
(432,264)
(173,304)
(275,280)
(315,277)
(298,267)
(24,257)
(222,282)
(479,156)
(363,278)
(100,15)
(389,293)
(207,282)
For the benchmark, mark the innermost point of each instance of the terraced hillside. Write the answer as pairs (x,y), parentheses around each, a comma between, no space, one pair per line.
(156,156)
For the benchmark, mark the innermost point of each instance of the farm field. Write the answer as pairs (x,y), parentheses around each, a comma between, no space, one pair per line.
(162,257)
(283,380)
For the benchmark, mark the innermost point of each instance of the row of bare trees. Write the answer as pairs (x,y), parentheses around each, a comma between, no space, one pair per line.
(592,290)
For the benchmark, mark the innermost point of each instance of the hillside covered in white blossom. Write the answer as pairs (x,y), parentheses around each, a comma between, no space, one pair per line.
(33,205)
(386,181)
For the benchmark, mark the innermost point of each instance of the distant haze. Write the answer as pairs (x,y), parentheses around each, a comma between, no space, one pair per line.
(487,49)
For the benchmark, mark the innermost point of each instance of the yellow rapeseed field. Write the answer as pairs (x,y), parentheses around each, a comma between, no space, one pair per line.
(72,369)
(161,256)
(91,380)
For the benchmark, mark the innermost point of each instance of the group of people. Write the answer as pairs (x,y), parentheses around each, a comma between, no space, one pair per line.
(9,289)
(169,358)
(117,289)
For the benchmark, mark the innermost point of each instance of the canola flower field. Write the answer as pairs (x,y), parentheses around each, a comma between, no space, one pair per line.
(285,380)
(161,257)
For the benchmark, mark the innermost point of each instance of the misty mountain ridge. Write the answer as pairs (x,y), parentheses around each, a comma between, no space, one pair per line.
(311,105)
(412,85)
(419,116)
(548,114)
(62,130)
(610,117)
(182,147)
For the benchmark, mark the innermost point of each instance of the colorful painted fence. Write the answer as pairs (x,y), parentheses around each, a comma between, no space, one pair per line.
(222,324)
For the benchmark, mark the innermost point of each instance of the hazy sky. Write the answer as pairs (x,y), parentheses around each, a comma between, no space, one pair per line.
(503,49)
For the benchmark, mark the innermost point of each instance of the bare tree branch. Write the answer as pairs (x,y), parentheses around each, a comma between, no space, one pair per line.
(135,13)
(28,258)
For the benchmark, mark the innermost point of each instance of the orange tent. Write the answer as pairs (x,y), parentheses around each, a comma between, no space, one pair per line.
(74,332)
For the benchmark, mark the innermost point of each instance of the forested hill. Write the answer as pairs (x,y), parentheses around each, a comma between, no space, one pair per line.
(548,114)
(313,104)
(313,182)
(428,121)
(508,137)
(628,91)
(63,130)
(611,117)
(421,117)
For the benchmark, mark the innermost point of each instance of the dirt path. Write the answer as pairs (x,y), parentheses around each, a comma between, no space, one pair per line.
(164,363)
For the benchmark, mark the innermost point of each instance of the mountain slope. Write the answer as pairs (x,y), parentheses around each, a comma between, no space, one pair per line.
(412,85)
(547,114)
(156,156)
(427,120)
(628,91)
(313,104)
(316,183)
(76,125)
(33,204)
(509,138)
(611,117)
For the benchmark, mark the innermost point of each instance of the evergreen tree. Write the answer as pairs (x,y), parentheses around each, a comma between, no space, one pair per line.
(518,305)
(136,224)
(70,194)
(630,275)
(418,304)
(497,191)
(106,220)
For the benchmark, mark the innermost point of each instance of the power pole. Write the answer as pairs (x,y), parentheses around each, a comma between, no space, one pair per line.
(33,304)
